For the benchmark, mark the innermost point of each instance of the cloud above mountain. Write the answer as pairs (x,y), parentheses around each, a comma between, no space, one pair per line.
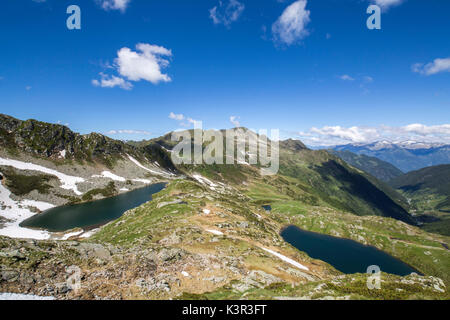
(335,135)
(120,5)
(146,63)
(434,67)
(386,4)
(235,121)
(140,132)
(226,12)
(290,27)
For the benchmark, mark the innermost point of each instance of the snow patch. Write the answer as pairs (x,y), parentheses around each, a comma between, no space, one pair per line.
(16,296)
(216,232)
(71,234)
(205,181)
(67,182)
(147,169)
(109,175)
(143,181)
(286,259)
(16,212)
(62,154)
(89,233)
(206,211)
(124,189)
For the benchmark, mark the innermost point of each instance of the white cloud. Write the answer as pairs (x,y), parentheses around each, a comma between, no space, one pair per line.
(129,132)
(146,63)
(194,122)
(235,121)
(180,117)
(346,77)
(28,88)
(114,4)
(423,130)
(111,82)
(437,66)
(386,4)
(291,25)
(175,116)
(226,14)
(335,135)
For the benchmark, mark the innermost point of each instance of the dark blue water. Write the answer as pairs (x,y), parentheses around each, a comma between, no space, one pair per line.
(267,207)
(345,255)
(91,213)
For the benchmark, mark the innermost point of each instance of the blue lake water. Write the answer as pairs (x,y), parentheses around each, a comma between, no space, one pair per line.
(93,213)
(345,255)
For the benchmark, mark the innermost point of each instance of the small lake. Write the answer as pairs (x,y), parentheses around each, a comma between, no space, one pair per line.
(345,255)
(93,213)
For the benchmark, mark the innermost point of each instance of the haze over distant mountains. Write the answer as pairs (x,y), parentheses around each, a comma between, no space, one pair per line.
(406,156)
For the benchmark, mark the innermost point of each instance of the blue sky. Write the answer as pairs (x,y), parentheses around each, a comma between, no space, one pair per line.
(309,68)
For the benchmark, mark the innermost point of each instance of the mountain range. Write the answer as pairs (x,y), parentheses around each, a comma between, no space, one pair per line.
(406,156)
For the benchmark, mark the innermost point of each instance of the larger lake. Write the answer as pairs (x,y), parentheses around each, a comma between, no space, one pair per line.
(345,255)
(91,213)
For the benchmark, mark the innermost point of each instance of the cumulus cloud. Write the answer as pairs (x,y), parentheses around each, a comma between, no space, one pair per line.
(120,5)
(181,117)
(423,130)
(143,132)
(146,63)
(386,4)
(291,25)
(111,82)
(346,77)
(434,67)
(235,121)
(335,135)
(226,13)
(175,116)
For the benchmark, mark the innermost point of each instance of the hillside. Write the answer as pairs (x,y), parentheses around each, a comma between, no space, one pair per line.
(428,190)
(405,156)
(381,170)
(315,177)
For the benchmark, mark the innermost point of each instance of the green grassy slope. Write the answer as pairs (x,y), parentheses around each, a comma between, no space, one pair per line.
(380,169)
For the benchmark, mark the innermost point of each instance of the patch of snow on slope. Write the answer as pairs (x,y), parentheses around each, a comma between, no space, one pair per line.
(89,233)
(16,296)
(286,259)
(67,182)
(71,234)
(109,175)
(205,181)
(147,169)
(216,232)
(143,181)
(16,212)
(62,154)
(37,204)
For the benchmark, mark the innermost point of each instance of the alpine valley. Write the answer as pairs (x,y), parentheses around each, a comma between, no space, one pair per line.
(213,231)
